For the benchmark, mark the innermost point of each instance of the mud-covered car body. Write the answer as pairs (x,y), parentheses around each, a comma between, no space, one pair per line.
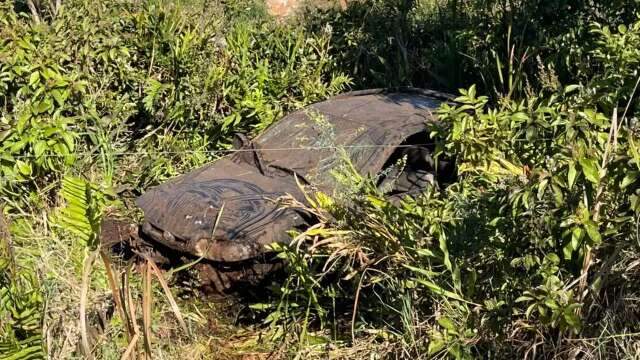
(228,211)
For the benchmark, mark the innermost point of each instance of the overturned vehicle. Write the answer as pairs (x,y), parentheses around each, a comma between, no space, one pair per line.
(227,213)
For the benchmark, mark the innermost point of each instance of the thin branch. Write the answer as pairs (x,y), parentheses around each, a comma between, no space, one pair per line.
(86,273)
(34,11)
(612,143)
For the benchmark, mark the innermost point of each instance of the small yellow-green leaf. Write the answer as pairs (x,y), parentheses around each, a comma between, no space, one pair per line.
(261,306)
(551,304)
(576,237)
(446,323)
(629,179)
(567,250)
(571,88)
(59,95)
(39,148)
(635,152)
(571,175)
(557,193)
(542,187)
(593,232)
(24,167)
(41,107)
(34,78)
(435,346)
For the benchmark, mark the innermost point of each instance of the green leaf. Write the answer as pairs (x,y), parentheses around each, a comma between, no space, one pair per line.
(590,169)
(261,306)
(567,250)
(41,107)
(425,252)
(551,304)
(635,152)
(629,179)
(81,215)
(542,187)
(472,92)
(39,148)
(59,95)
(24,168)
(446,323)
(519,117)
(593,232)
(576,236)
(571,88)
(439,290)
(34,78)
(435,346)
(442,241)
(571,317)
(557,193)
(68,140)
(571,175)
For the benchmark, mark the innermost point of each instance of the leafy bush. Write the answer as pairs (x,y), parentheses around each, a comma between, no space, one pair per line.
(456,43)
(145,79)
(21,306)
(523,252)
(125,94)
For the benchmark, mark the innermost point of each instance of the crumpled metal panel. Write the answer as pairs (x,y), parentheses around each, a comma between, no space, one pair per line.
(359,124)
(240,192)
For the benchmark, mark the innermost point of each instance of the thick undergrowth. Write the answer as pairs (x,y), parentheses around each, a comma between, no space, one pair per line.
(532,252)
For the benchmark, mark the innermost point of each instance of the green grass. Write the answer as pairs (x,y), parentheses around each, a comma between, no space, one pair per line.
(532,253)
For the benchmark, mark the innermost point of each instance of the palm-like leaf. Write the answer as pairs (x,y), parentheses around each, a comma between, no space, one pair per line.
(81,215)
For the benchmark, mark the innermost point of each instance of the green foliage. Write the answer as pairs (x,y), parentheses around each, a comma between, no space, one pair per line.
(83,210)
(532,249)
(451,44)
(522,247)
(146,79)
(127,94)
(21,306)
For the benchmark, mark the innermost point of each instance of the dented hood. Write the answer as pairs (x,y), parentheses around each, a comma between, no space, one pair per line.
(225,211)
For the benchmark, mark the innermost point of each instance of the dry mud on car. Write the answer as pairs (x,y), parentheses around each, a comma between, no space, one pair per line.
(229,211)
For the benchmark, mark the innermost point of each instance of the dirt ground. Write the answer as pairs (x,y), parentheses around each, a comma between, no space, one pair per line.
(285,8)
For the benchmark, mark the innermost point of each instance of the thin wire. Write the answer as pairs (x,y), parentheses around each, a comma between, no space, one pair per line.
(225,151)
(231,151)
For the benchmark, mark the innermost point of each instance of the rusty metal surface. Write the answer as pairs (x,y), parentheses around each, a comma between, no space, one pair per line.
(240,192)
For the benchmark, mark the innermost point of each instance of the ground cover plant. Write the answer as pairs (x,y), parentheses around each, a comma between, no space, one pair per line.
(124,94)
(533,252)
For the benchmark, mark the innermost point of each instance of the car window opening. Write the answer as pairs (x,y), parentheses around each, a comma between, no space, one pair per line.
(412,167)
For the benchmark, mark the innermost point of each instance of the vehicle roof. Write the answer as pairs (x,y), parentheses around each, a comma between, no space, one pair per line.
(368,125)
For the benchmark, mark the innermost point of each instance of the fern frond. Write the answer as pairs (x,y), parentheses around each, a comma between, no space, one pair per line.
(21,308)
(81,214)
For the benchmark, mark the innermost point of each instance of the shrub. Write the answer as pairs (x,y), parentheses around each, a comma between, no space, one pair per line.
(522,249)
(126,94)
(104,80)
(457,43)
(21,306)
